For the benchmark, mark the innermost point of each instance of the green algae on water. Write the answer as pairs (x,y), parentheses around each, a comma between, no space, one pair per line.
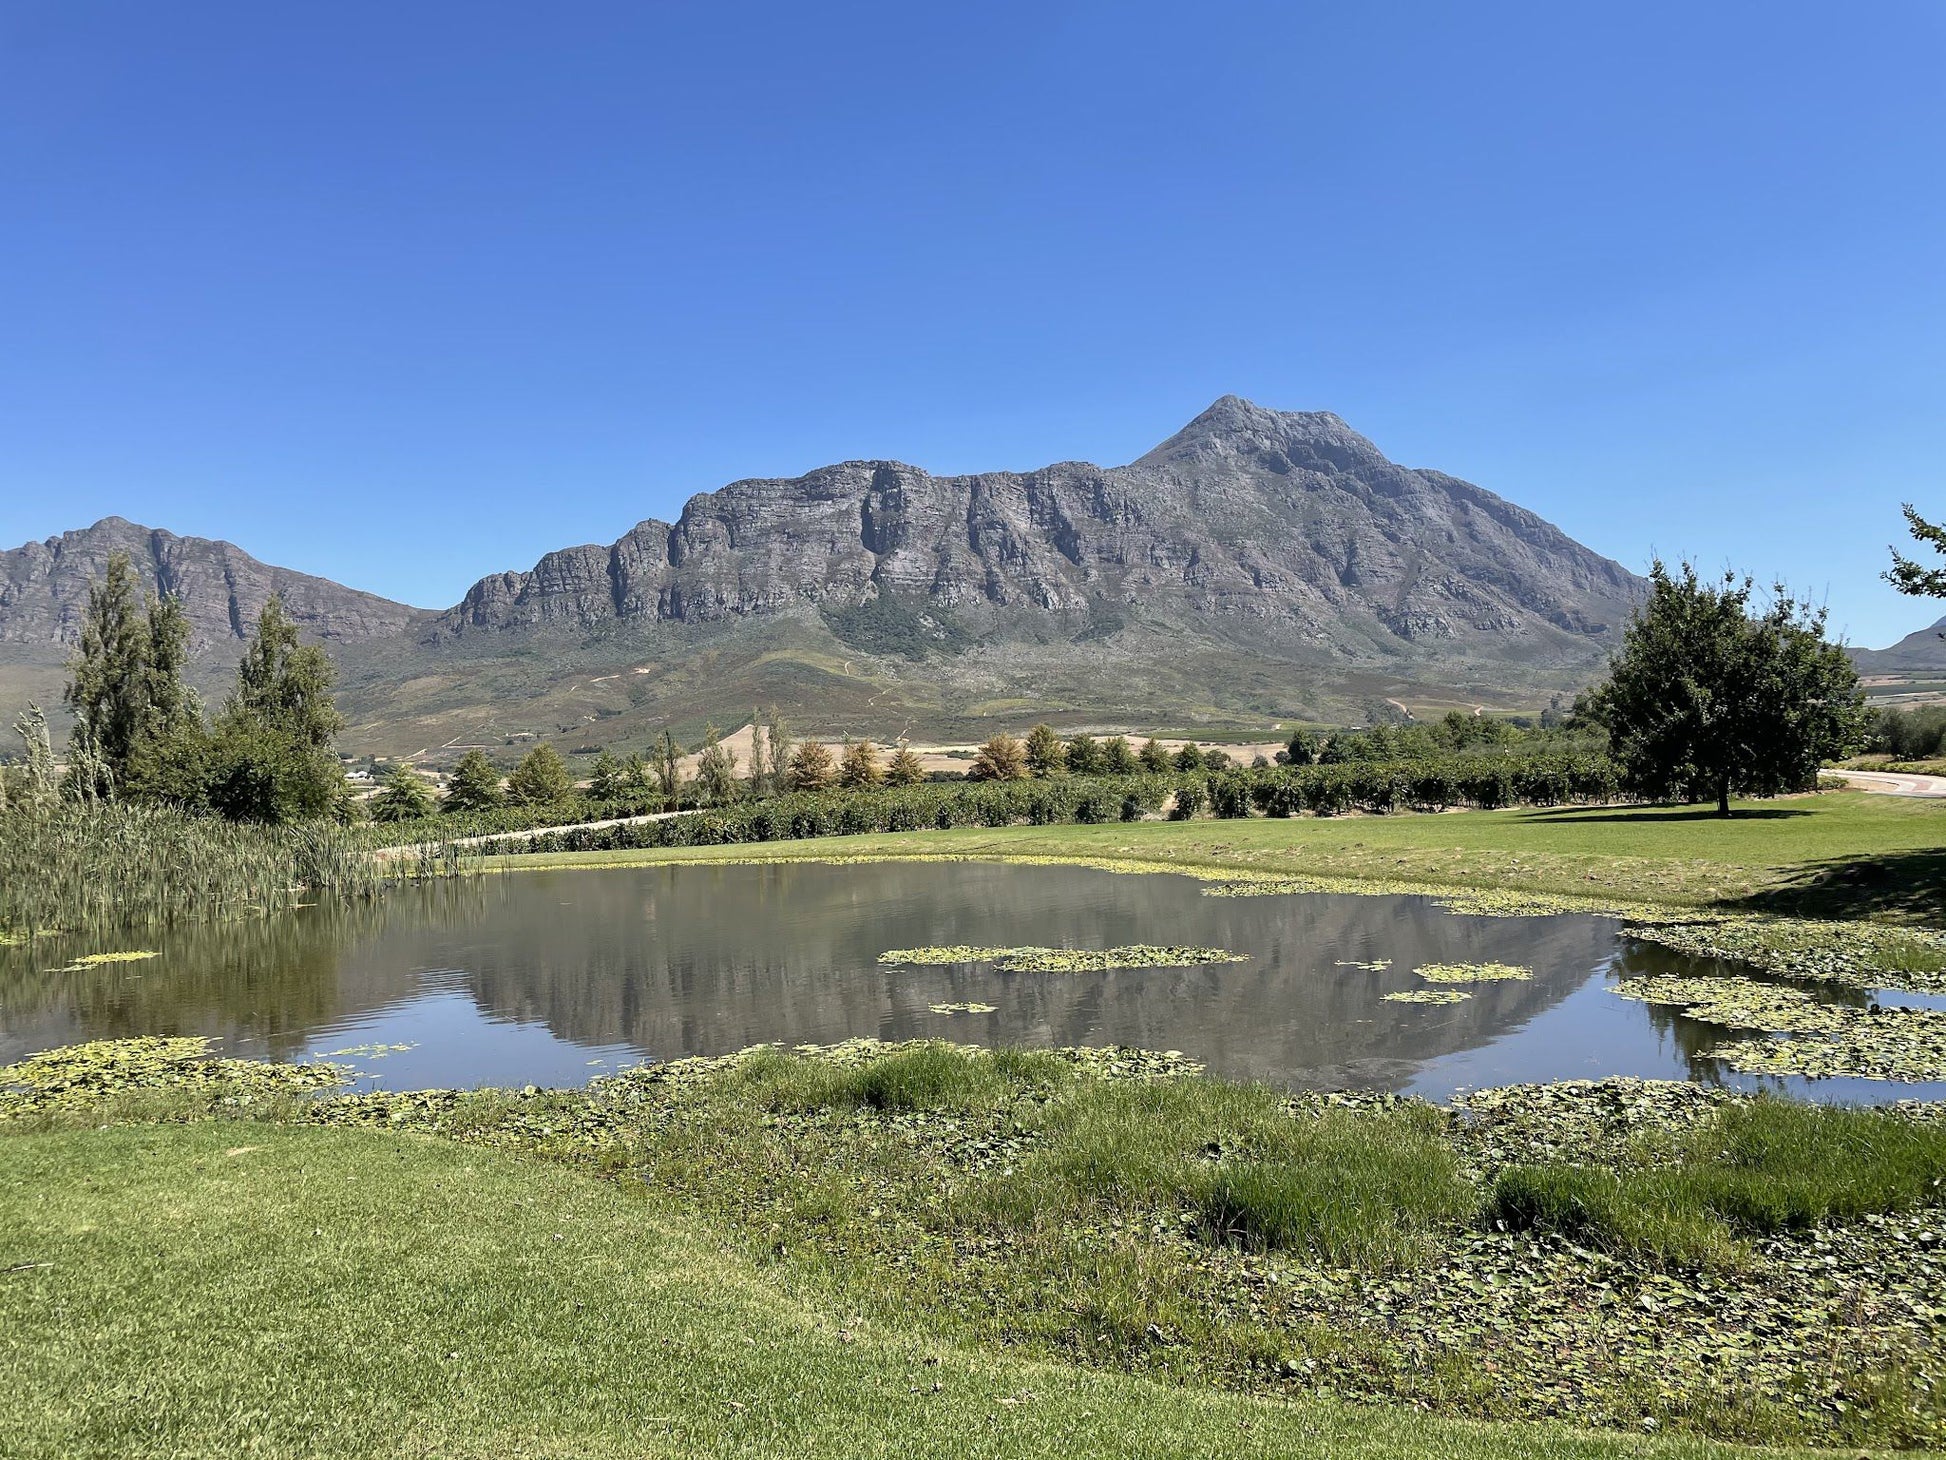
(1472,972)
(1066,960)
(1427,996)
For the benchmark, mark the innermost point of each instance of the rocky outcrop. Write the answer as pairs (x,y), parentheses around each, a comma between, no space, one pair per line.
(1290,522)
(44,588)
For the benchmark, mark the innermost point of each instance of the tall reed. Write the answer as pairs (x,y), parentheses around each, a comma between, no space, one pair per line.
(95,869)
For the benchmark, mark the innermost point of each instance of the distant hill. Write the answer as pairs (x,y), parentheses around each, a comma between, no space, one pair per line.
(1917,652)
(1256,565)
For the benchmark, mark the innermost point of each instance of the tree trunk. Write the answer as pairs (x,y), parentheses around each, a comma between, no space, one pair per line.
(1723,797)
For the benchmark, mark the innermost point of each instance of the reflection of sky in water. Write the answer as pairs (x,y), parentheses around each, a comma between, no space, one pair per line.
(551,978)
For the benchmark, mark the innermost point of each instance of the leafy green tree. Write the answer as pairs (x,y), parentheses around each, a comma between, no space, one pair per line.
(1217,760)
(759,778)
(860,769)
(1190,757)
(1118,757)
(1084,755)
(666,762)
(605,783)
(905,769)
(716,770)
(1303,748)
(1002,758)
(811,767)
(474,784)
(1705,700)
(1914,578)
(635,774)
(404,797)
(1154,758)
(1045,754)
(541,778)
(777,777)
(273,758)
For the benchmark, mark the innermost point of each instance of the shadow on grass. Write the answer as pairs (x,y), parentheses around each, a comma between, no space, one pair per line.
(1895,886)
(1642,814)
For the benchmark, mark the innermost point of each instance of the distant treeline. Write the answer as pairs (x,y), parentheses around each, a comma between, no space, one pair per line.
(1432,784)
(1915,734)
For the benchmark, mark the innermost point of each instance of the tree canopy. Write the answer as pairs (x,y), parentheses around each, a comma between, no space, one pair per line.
(541,778)
(1915,578)
(474,784)
(1706,699)
(1002,758)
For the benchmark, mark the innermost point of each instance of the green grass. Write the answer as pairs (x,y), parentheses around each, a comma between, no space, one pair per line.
(1838,854)
(1756,1169)
(1361,1189)
(231,1288)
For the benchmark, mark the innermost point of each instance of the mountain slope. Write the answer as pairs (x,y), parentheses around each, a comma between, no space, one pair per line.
(1256,564)
(1922,650)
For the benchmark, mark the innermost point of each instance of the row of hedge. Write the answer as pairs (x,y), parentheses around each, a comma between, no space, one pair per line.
(1323,790)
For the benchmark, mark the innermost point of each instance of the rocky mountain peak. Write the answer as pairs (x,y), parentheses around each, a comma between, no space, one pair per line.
(1235,432)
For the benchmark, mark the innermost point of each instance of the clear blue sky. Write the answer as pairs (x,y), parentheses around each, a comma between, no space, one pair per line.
(407,293)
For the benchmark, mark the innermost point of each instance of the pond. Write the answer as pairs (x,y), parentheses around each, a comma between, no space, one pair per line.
(552,977)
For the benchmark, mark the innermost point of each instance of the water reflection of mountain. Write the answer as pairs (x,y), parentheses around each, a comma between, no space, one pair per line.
(706,959)
(710,959)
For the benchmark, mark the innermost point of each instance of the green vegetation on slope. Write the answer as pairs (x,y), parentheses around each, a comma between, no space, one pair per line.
(212,1289)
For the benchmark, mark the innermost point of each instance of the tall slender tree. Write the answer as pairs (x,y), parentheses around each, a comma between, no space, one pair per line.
(716,770)
(274,757)
(666,762)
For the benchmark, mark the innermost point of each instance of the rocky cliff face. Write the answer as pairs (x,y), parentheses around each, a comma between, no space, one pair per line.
(44,588)
(1289,524)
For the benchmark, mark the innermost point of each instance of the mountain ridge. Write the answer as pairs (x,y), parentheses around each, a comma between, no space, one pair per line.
(1254,563)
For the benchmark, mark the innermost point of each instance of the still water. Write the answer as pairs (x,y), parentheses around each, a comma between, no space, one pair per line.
(550,978)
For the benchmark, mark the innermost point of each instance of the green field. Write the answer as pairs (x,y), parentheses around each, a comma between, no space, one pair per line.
(231,1288)
(1836,854)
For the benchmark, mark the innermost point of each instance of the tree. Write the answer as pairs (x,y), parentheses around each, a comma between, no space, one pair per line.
(778,778)
(905,769)
(1910,577)
(666,762)
(1190,757)
(1303,748)
(1002,758)
(716,771)
(1084,755)
(1045,756)
(759,756)
(811,767)
(541,778)
(273,757)
(1118,757)
(860,770)
(605,783)
(1153,757)
(1704,700)
(635,774)
(474,784)
(405,797)
(108,680)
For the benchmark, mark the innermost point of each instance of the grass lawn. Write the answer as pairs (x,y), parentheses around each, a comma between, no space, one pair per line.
(224,1287)
(1836,854)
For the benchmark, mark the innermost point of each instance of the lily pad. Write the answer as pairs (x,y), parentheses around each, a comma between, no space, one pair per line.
(1472,972)
(1427,996)
(1066,960)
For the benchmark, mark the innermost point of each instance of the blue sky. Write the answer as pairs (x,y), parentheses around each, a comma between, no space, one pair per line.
(405,294)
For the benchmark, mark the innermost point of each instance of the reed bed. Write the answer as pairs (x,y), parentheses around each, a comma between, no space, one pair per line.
(91,870)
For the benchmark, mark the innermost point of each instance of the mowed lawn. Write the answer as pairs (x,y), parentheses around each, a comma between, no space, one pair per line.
(227,1288)
(1839,854)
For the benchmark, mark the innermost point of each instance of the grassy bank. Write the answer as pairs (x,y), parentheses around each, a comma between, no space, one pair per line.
(1837,854)
(806,1242)
(233,1287)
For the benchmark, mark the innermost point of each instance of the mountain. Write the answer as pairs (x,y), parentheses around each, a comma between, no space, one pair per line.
(1257,564)
(1917,652)
(44,594)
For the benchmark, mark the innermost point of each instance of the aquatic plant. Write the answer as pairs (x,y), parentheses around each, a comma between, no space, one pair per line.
(1471,972)
(964,1008)
(1066,960)
(1427,996)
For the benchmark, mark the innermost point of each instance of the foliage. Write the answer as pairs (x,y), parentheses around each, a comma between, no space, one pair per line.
(1303,748)
(1084,756)
(404,797)
(1002,758)
(1915,578)
(905,769)
(1704,701)
(90,869)
(272,759)
(811,767)
(541,778)
(666,764)
(1189,757)
(1154,758)
(1065,960)
(1918,733)
(889,624)
(1045,756)
(605,777)
(1118,757)
(716,771)
(860,768)
(473,786)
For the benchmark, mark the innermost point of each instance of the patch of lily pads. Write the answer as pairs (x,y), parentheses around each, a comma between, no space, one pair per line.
(89,961)
(1801,1034)
(1858,955)
(81,1076)
(1065,960)
(964,1008)
(1472,972)
(1427,996)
